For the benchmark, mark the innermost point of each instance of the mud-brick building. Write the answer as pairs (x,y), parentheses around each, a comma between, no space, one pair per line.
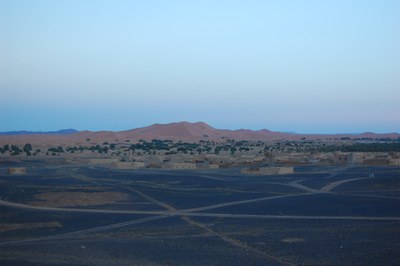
(17,170)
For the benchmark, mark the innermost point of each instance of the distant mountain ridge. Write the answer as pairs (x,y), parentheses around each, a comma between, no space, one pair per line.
(179,131)
(25,132)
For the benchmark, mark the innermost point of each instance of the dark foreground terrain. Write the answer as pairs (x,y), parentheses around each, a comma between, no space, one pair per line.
(63,215)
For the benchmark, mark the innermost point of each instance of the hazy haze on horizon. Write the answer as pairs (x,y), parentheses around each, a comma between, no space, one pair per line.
(303,66)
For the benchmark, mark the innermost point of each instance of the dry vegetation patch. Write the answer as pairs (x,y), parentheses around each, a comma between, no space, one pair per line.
(63,199)
(4,227)
(291,240)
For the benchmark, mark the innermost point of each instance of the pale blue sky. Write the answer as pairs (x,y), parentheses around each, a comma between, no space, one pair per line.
(304,66)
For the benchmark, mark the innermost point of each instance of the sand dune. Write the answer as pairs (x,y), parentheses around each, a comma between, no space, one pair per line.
(180,131)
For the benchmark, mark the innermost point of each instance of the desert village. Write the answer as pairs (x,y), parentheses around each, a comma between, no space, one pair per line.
(185,145)
(252,157)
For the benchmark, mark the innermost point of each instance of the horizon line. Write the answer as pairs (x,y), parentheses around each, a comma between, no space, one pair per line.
(188,122)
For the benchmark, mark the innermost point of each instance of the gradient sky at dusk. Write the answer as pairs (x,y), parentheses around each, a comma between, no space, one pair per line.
(306,66)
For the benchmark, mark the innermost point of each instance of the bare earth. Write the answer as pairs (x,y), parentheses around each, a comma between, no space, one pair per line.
(63,199)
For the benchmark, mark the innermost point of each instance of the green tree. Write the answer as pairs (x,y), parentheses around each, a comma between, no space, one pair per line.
(15,150)
(27,149)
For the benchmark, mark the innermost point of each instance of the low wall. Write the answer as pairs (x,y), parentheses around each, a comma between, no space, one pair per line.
(128,165)
(268,171)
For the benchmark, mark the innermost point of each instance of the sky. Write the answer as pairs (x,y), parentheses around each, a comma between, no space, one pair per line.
(302,66)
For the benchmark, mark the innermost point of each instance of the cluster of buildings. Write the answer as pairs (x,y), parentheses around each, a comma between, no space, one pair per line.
(367,158)
(278,163)
(252,156)
(155,162)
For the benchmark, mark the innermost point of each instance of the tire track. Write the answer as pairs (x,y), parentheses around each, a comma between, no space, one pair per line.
(331,186)
(81,232)
(230,240)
